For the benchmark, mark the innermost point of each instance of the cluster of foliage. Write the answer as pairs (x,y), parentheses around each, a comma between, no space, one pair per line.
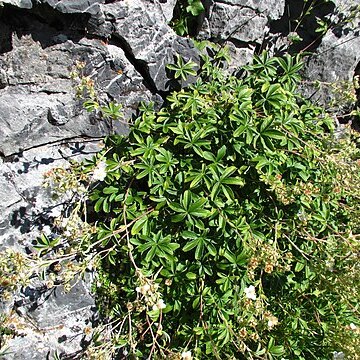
(185,17)
(227,223)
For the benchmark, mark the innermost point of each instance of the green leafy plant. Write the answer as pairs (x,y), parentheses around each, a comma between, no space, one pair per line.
(227,222)
(186,13)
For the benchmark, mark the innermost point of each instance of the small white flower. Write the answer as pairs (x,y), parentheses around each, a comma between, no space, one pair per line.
(99,173)
(338,355)
(159,305)
(81,189)
(353,327)
(273,321)
(143,289)
(46,230)
(55,212)
(186,355)
(250,292)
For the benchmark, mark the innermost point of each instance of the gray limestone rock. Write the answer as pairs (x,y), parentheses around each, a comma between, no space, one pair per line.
(239,56)
(44,320)
(151,42)
(79,6)
(236,22)
(141,28)
(273,9)
(334,61)
(242,20)
(23,4)
(26,205)
(40,335)
(167,7)
(38,104)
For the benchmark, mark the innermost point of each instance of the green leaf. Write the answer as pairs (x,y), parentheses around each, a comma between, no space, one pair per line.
(98,204)
(176,207)
(277,350)
(191,275)
(110,190)
(191,245)
(299,266)
(275,134)
(178,218)
(233,181)
(138,225)
(240,130)
(195,7)
(189,235)
(186,199)
(196,205)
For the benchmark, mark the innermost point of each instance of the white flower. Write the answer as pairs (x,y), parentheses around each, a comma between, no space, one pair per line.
(352,326)
(250,292)
(338,355)
(186,355)
(46,230)
(273,321)
(159,305)
(143,289)
(99,173)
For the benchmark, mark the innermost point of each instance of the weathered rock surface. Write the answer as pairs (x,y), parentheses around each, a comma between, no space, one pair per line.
(242,20)
(39,335)
(45,320)
(237,22)
(334,62)
(37,102)
(125,45)
(241,24)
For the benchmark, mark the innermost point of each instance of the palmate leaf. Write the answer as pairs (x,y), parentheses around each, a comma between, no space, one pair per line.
(188,207)
(182,69)
(44,244)
(197,207)
(157,245)
(200,243)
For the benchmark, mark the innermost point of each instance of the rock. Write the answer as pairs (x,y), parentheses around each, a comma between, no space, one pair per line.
(334,62)
(167,7)
(26,205)
(239,56)
(39,106)
(79,6)
(273,9)
(48,320)
(151,43)
(40,334)
(141,28)
(240,23)
(23,4)
(245,21)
